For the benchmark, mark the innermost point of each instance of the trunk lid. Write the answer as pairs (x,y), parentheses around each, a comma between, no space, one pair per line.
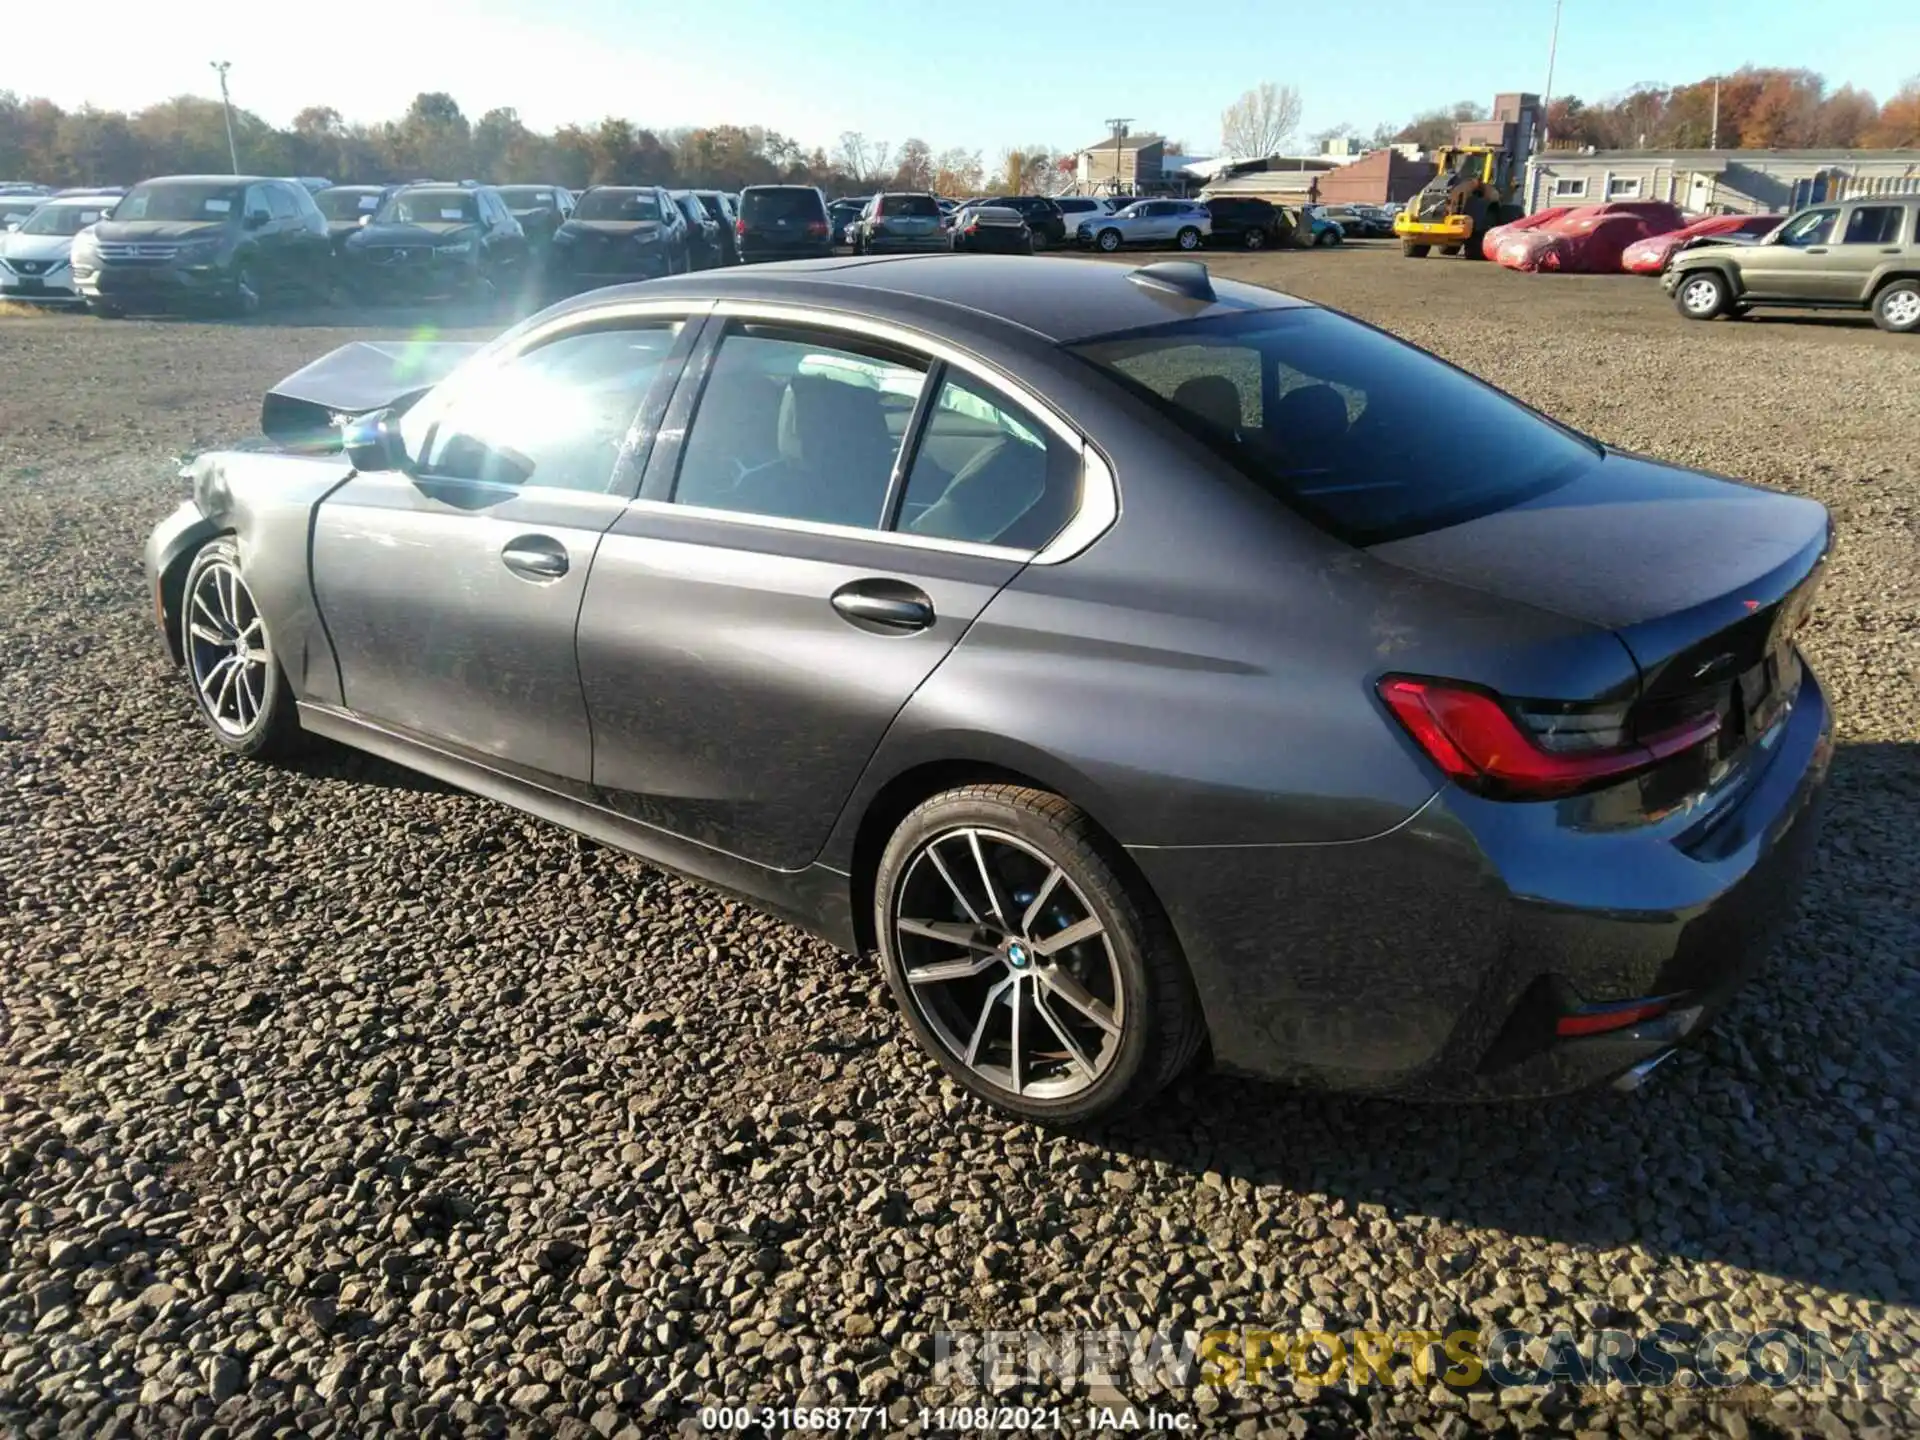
(1705,581)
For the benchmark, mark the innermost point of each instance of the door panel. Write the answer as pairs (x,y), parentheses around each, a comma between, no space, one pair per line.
(439,631)
(731,702)
(1796,266)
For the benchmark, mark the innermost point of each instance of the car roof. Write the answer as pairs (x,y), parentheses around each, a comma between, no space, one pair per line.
(212,179)
(1062,301)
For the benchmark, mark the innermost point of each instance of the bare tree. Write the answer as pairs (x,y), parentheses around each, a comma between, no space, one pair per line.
(863,159)
(1260,122)
(915,170)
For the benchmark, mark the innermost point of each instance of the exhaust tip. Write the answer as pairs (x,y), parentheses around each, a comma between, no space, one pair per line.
(1633,1079)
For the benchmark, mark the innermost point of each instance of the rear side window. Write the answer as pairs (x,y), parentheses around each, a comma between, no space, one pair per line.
(1368,437)
(1874,225)
(781,204)
(798,425)
(987,472)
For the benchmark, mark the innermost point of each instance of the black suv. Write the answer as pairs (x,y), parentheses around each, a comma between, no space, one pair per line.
(1044,217)
(183,241)
(1247,222)
(720,207)
(438,242)
(540,209)
(783,222)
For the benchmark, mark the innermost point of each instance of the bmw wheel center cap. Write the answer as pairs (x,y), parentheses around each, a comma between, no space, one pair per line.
(1017,955)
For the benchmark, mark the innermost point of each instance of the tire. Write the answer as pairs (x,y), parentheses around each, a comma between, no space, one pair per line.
(1108,240)
(1136,1023)
(1702,295)
(239,690)
(1188,239)
(1325,239)
(1039,241)
(1896,309)
(1449,249)
(1255,238)
(105,311)
(1413,251)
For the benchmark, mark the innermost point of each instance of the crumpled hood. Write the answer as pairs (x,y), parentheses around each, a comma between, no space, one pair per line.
(124,230)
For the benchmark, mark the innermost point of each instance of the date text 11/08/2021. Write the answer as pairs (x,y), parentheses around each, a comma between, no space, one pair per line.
(783,1419)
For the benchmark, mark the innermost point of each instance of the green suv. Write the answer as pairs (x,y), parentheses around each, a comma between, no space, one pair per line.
(1851,255)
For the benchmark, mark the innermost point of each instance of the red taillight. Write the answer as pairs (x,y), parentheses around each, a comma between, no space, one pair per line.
(740,227)
(816,227)
(1601,1019)
(1472,735)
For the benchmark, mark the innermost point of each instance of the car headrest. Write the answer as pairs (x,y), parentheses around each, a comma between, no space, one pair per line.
(824,421)
(1213,398)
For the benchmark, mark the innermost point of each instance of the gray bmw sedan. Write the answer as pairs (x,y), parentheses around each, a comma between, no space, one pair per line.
(1151,670)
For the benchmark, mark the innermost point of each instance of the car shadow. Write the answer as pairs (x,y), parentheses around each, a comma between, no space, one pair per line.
(324,760)
(1827,319)
(1780,1144)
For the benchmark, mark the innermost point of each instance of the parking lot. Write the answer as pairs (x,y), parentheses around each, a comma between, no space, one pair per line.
(329,1094)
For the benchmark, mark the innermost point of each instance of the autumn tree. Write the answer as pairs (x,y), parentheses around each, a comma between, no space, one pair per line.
(1260,122)
(1899,124)
(914,170)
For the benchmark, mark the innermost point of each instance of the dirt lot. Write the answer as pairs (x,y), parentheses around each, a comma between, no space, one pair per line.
(330,1098)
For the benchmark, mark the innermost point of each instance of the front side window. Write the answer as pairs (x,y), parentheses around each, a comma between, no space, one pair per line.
(798,425)
(280,204)
(556,416)
(1812,228)
(1874,225)
(987,472)
(1335,419)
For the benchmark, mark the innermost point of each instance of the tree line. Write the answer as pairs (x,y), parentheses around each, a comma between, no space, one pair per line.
(434,139)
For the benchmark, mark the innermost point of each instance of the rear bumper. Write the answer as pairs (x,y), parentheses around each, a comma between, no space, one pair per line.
(1434,961)
(905,244)
(751,254)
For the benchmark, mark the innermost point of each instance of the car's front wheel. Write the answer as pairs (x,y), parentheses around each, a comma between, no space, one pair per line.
(1412,250)
(1027,962)
(1188,238)
(1702,295)
(1326,237)
(238,686)
(1896,309)
(1255,238)
(247,294)
(1109,241)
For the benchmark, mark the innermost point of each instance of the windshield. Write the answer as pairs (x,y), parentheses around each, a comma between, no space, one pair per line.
(528,197)
(347,204)
(429,207)
(618,205)
(1369,438)
(180,200)
(64,219)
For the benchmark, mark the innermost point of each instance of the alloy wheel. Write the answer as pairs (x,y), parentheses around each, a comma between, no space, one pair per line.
(227,649)
(1902,309)
(1008,965)
(1109,240)
(1701,297)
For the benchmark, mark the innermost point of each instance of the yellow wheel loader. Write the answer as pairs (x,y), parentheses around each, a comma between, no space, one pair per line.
(1470,193)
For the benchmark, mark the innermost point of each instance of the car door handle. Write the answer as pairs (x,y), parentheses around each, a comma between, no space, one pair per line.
(536,557)
(889,605)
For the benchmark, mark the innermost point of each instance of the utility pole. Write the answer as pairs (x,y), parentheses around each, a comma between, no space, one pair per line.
(233,155)
(1119,127)
(1714,143)
(1546,101)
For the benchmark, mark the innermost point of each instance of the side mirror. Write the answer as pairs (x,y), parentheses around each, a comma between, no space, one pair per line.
(372,443)
(257,218)
(366,220)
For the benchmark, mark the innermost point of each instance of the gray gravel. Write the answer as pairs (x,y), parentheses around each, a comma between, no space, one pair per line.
(331,1098)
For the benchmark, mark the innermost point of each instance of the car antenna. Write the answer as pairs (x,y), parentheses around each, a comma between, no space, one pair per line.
(1183,277)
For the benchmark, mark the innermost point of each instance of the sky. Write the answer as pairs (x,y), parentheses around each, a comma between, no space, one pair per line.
(986,74)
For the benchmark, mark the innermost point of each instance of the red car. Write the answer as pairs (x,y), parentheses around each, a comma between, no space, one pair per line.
(1490,245)
(1589,240)
(1650,256)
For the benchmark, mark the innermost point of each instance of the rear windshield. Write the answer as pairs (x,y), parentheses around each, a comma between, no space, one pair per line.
(1366,436)
(429,207)
(781,204)
(179,200)
(347,204)
(923,205)
(713,205)
(618,205)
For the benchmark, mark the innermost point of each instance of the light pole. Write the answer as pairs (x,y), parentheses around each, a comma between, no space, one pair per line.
(1119,127)
(1714,143)
(1546,103)
(233,155)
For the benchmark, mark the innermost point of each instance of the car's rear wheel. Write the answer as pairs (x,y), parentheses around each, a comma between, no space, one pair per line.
(1039,240)
(1027,962)
(1109,240)
(1188,238)
(1255,238)
(238,686)
(1896,309)
(1702,295)
(1326,237)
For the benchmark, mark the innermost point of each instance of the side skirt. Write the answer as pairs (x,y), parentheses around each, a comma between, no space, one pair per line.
(816,898)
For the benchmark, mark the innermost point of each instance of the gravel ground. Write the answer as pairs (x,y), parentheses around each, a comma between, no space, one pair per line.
(332,1099)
